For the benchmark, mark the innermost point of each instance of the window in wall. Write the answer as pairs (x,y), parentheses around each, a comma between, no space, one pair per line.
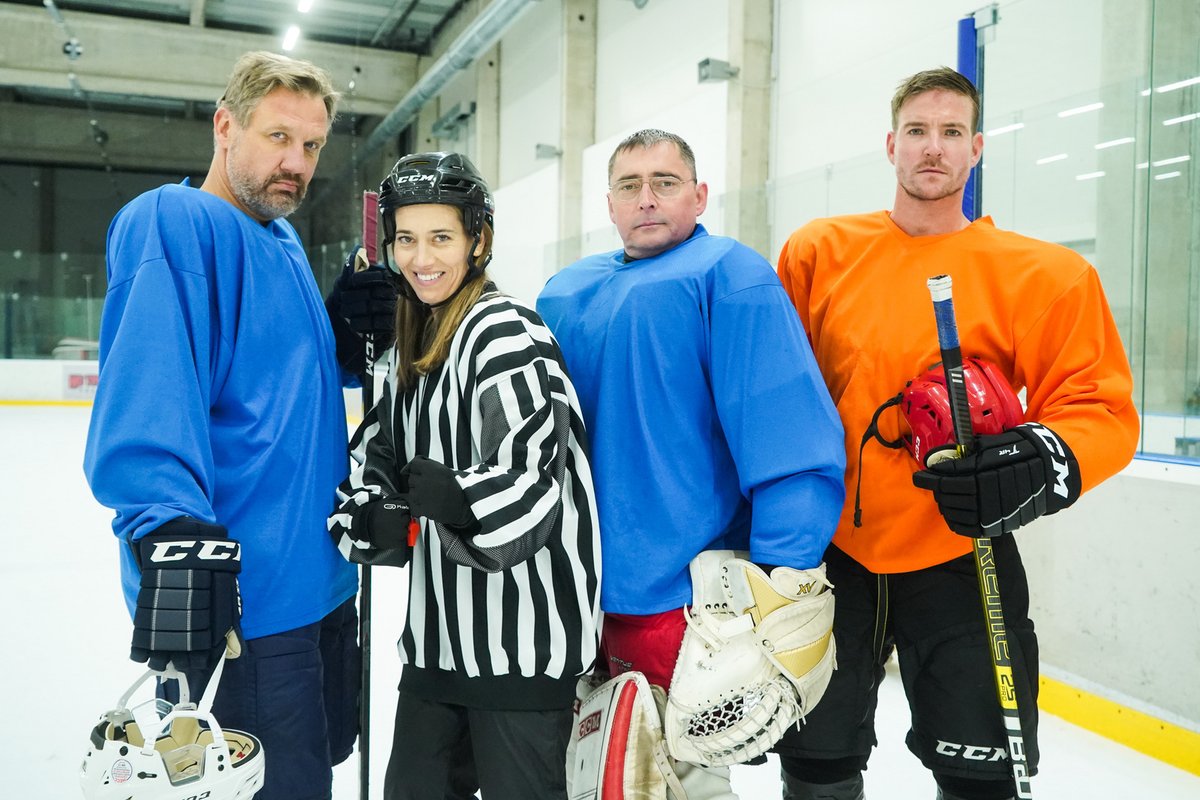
(1107,169)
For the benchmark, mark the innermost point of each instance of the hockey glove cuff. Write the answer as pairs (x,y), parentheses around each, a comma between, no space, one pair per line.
(366,299)
(361,304)
(1009,480)
(188,606)
(386,523)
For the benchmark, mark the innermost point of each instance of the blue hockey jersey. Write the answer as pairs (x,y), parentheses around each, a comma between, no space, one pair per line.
(710,425)
(220,398)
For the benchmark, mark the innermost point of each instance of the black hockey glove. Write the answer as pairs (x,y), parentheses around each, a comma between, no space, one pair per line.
(434,493)
(1009,480)
(188,608)
(361,304)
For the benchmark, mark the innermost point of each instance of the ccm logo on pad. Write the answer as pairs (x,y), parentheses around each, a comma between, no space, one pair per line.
(589,724)
(206,550)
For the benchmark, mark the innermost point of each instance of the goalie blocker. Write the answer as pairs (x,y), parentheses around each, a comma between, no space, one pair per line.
(756,657)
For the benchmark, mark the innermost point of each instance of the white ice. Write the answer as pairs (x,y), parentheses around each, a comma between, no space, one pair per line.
(65,650)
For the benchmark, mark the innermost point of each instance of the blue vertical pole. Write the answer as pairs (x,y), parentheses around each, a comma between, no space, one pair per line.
(970,65)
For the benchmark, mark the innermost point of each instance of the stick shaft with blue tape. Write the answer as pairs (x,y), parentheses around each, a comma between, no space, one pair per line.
(941,292)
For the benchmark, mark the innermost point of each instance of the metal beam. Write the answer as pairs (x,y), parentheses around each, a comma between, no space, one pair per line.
(478,36)
(392,22)
(162,59)
(39,134)
(481,34)
(50,135)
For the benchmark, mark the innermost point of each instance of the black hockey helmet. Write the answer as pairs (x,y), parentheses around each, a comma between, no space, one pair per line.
(441,179)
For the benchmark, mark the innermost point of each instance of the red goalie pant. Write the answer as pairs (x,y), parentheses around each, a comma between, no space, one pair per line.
(648,644)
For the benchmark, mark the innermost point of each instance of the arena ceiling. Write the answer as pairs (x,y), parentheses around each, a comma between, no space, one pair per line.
(132,84)
(168,57)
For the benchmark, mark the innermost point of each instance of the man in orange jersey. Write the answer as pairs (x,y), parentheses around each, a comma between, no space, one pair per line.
(905,577)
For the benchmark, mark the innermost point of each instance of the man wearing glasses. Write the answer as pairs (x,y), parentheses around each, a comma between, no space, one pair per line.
(711,427)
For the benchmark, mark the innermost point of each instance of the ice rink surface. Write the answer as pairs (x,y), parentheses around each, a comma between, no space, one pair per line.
(66,642)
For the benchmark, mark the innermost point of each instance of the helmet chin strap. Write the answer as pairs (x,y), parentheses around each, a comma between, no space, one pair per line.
(872,432)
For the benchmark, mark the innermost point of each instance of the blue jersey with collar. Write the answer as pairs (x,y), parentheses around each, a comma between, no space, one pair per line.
(220,398)
(709,422)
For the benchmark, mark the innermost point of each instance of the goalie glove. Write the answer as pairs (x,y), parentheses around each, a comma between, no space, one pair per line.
(188,607)
(757,656)
(1009,480)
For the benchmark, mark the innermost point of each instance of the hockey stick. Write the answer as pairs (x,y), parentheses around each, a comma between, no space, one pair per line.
(985,562)
(370,204)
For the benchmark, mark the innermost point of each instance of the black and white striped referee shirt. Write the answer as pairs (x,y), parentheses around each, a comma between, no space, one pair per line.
(506,617)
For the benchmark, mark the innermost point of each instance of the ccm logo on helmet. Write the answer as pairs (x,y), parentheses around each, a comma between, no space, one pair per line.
(207,550)
(415,179)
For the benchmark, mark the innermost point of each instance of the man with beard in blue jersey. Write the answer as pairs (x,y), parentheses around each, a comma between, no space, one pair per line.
(218,434)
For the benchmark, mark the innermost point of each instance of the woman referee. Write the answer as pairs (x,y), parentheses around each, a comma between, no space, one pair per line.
(479,437)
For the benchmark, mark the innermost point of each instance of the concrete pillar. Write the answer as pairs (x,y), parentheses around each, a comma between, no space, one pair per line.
(487,114)
(748,136)
(578,121)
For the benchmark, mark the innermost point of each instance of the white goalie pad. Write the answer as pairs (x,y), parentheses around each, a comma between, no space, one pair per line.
(616,751)
(757,655)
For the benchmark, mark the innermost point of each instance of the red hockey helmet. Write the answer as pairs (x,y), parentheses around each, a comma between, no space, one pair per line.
(925,404)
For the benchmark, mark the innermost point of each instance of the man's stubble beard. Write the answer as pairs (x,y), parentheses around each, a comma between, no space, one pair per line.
(257,196)
(913,190)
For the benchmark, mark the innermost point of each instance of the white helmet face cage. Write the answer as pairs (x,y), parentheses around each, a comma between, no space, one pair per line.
(156,751)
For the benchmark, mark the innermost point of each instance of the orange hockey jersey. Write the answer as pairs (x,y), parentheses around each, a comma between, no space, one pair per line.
(1034,309)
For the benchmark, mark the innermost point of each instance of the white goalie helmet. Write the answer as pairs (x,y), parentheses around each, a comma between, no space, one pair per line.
(156,751)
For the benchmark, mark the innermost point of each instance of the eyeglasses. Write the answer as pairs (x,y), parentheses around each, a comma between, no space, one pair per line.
(663,186)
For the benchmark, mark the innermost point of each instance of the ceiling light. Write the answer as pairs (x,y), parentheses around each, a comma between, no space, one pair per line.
(1016,126)
(1114,142)
(1170,87)
(1184,118)
(1175,160)
(1070,112)
(304,6)
(1087,176)
(1166,175)
(290,38)
(1051,159)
